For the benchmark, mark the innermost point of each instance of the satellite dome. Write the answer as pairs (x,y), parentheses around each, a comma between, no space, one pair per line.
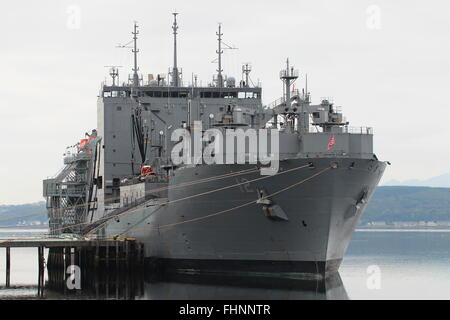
(231,82)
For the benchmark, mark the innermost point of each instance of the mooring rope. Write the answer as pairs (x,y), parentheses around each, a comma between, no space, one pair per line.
(214,190)
(230,209)
(181,199)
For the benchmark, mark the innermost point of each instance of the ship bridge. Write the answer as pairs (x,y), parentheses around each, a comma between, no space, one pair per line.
(183,92)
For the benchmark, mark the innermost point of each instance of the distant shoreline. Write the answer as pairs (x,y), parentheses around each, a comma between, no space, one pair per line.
(408,227)
(10,229)
(402,230)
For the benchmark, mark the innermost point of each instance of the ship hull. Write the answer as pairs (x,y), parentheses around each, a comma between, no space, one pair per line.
(207,226)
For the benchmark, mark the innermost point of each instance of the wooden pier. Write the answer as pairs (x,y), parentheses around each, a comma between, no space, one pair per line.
(91,256)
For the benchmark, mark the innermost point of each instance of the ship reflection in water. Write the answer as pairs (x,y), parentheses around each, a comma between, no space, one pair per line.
(195,287)
(185,287)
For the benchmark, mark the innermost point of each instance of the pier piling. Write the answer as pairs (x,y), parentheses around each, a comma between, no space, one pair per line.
(91,256)
(97,256)
(8,267)
(107,256)
(41,270)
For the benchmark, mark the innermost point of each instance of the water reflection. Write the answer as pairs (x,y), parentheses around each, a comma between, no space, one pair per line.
(98,285)
(192,287)
(138,286)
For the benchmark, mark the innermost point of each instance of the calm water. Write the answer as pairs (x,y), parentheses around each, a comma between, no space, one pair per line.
(411,265)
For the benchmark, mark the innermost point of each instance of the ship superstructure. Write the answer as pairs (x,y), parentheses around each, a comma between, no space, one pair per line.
(219,217)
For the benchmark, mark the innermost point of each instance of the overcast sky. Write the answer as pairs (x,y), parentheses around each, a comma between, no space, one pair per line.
(387,63)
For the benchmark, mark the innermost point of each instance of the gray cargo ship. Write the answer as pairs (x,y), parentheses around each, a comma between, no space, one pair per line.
(121,181)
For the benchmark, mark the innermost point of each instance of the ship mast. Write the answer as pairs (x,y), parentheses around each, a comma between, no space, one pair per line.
(114,73)
(220,52)
(246,69)
(175,72)
(288,77)
(306,88)
(135,51)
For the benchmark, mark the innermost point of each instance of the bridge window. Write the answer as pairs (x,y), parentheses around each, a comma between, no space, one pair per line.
(229,95)
(218,94)
(114,94)
(248,95)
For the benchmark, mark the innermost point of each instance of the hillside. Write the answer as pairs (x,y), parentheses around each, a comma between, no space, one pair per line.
(408,204)
(36,210)
(441,181)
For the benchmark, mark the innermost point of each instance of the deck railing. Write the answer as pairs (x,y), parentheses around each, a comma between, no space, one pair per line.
(358,130)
